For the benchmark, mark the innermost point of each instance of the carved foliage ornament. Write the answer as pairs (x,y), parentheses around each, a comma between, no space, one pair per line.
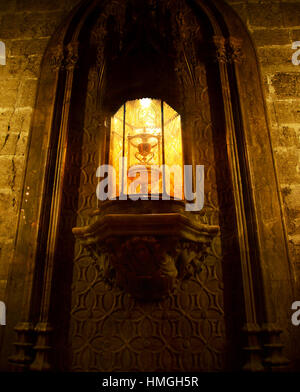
(66,57)
(71,55)
(56,57)
(145,264)
(228,50)
(148,268)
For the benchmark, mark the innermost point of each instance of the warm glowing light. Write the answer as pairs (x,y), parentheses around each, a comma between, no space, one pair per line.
(147,132)
(145,102)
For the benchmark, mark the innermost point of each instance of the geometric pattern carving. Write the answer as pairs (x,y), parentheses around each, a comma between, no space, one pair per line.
(111,331)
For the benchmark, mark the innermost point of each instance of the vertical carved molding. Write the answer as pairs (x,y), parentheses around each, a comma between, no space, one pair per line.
(272,347)
(26,333)
(44,328)
(251,328)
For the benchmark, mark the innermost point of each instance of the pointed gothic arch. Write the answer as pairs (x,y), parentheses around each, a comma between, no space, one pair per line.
(225,45)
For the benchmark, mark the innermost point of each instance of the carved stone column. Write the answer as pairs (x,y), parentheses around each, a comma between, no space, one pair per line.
(44,328)
(25,330)
(228,52)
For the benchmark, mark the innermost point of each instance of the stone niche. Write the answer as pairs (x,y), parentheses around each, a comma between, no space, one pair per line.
(198,58)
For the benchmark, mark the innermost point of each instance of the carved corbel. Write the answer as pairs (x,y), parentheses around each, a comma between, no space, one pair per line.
(144,266)
(146,255)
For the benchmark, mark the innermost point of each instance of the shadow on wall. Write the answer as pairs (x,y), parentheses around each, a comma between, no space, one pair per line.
(2,53)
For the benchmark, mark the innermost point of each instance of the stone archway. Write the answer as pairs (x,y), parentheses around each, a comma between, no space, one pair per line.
(262,254)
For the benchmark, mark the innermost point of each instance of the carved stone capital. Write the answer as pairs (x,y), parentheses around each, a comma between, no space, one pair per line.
(64,57)
(71,55)
(56,57)
(99,33)
(235,51)
(228,50)
(220,49)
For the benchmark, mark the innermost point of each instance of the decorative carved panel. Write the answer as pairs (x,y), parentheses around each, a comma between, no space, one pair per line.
(111,331)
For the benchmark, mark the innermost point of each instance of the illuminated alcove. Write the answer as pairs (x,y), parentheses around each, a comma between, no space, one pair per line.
(147,132)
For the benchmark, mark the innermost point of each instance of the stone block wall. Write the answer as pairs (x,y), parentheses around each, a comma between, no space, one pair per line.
(274,26)
(26,26)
